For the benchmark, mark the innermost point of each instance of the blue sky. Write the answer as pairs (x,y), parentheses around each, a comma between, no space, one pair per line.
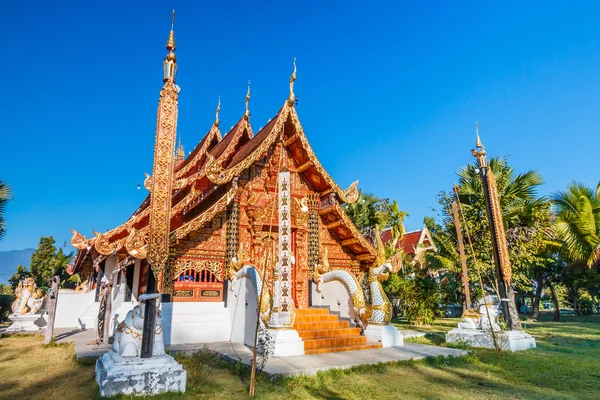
(388,94)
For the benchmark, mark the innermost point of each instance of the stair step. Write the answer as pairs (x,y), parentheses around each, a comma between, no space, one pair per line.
(312,311)
(328,333)
(334,342)
(306,326)
(346,348)
(316,318)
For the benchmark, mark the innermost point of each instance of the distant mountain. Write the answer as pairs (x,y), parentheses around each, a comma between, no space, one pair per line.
(9,261)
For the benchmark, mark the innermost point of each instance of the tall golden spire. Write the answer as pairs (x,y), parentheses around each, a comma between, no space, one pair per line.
(217,121)
(164,164)
(247,113)
(170,63)
(292,97)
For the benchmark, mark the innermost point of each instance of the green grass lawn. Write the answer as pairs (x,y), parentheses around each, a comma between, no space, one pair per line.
(566,365)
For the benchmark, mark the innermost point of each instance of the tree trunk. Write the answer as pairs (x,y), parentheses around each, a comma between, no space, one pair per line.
(515,321)
(535,306)
(53,300)
(574,300)
(555,303)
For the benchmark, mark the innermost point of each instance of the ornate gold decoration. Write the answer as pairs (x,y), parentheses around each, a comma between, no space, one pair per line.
(148,182)
(214,171)
(215,267)
(247,113)
(136,244)
(104,246)
(380,260)
(79,241)
(499,225)
(292,97)
(162,173)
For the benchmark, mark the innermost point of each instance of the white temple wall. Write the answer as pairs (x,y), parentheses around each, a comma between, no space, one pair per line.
(70,306)
(195,322)
(241,305)
(334,295)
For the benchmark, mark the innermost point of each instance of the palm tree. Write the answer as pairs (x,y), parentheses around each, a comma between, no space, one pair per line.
(5,197)
(366,212)
(577,213)
(396,222)
(517,193)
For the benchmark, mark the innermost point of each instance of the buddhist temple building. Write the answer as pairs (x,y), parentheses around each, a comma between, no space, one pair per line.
(244,204)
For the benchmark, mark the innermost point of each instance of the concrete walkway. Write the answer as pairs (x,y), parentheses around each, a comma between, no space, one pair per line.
(313,363)
(276,366)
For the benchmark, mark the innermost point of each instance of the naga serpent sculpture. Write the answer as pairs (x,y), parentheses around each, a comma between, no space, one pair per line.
(380,272)
(322,274)
(240,268)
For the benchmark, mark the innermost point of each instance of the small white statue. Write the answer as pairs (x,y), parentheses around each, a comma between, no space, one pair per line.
(473,319)
(29,298)
(128,335)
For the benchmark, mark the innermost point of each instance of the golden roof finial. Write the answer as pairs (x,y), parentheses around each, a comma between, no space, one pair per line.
(180,151)
(217,121)
(292,97)
(171,41)
(247,113)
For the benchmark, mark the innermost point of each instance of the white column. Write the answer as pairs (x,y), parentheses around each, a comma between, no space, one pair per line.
(136,279)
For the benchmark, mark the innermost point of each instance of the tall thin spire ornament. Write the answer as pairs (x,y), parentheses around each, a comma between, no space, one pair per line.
(164,161)
(247,112)
(217,121)
(499,244)
(292,98)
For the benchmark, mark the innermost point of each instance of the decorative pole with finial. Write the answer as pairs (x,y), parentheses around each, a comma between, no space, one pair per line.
(247,112)
(500,247)
(161,190)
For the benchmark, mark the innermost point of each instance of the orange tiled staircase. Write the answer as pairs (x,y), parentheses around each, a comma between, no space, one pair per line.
(323,332)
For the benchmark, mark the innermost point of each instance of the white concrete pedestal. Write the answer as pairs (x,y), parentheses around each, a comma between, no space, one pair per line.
(286,342)
(387,335)
(508,340)
(24,323)
(139,376)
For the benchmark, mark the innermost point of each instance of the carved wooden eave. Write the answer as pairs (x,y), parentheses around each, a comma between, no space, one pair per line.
(259,144)
(337,221)
(194,160)
(208,215)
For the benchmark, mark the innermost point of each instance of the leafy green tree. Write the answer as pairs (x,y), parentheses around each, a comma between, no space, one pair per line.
(5,197)
(416,295)
(369,211)
(6,299)
(21,273)
(43,262)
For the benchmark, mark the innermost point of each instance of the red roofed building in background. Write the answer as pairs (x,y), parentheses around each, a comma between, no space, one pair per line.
(414,244)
